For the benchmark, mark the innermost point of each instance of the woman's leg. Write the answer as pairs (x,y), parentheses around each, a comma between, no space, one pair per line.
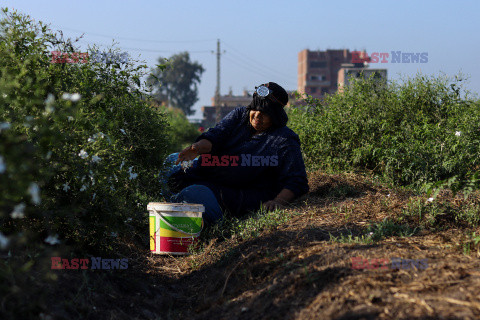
(201,195)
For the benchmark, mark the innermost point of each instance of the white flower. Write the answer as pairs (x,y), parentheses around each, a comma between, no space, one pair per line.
(34,191)
(123,131)
(66,187)
(83,188)
(3,166)
(429,199)
(186,164)
(458,133)
(4,96)
(121,165)
(48,155)
(99,135)
(128,220)
(75,97)
(49,109)
(4,126)
(72,97)
(90,140)
(17,212)
(52,240)
(388,195)
(3,241)
(50,99)
(70,118)
(133,176)
(94,195)
(96,158)
(83,154)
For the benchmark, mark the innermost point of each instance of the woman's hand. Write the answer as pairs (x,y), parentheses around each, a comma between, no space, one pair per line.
(272,205)
(194,150)
(188,154)
(280,201)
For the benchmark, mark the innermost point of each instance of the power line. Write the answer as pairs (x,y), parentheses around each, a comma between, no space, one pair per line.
(146,50)
(133,39)
(255,61)
(251,69)
(266,71)
(261,67)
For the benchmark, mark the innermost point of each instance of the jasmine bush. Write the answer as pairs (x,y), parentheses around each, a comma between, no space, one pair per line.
(422,130)
(80,147)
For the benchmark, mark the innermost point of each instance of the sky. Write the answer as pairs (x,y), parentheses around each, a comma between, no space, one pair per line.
(260,40)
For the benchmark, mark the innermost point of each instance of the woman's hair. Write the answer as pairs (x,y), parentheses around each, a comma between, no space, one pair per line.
(273,107)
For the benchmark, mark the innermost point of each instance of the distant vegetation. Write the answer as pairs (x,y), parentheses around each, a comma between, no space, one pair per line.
(181,132)
(418,132)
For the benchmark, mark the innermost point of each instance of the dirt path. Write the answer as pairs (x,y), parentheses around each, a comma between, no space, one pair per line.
(295,272)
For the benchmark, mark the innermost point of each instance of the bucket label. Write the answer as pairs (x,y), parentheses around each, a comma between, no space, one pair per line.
(174,227)
(152,233)
(175,245)
(186,224)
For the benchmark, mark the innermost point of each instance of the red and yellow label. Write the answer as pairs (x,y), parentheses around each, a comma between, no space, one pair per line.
(152,233)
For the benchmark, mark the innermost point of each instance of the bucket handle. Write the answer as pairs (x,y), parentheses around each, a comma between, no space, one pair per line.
(196,234)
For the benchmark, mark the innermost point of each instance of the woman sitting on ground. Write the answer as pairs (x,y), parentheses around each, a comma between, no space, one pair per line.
(248,159)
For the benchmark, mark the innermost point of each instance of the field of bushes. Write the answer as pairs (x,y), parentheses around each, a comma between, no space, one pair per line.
(82,145)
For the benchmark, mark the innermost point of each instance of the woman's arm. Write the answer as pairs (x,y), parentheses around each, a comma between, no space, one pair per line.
(194,150)
(214,137)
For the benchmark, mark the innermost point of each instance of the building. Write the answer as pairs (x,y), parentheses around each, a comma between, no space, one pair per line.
(222,106)
(229,100)
(318,70)
(348,72)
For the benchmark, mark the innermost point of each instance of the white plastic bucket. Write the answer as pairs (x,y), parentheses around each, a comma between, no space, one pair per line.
(174,226)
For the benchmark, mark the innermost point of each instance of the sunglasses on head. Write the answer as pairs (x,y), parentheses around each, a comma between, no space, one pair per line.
(264,92)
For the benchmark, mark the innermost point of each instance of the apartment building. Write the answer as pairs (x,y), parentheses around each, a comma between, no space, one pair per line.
(318,70)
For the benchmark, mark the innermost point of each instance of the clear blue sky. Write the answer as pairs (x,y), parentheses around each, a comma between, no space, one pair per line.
(262,38)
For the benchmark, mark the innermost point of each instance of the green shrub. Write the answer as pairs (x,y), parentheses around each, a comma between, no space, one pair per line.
(80,148)
(80,152)
(181,132)
(422,130)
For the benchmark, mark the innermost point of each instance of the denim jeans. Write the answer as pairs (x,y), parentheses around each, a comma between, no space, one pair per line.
(192,194)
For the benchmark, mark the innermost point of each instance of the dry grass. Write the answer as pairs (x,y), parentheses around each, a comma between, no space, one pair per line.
(294,270)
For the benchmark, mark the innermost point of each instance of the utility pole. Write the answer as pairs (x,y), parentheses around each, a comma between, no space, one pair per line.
(218,116)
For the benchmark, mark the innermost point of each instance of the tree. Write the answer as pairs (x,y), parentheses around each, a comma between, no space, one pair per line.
(176,82)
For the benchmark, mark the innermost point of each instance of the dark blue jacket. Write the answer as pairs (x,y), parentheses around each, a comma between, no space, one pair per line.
(265,164)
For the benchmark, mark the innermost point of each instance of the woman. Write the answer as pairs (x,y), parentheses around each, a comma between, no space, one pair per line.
(248,159)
